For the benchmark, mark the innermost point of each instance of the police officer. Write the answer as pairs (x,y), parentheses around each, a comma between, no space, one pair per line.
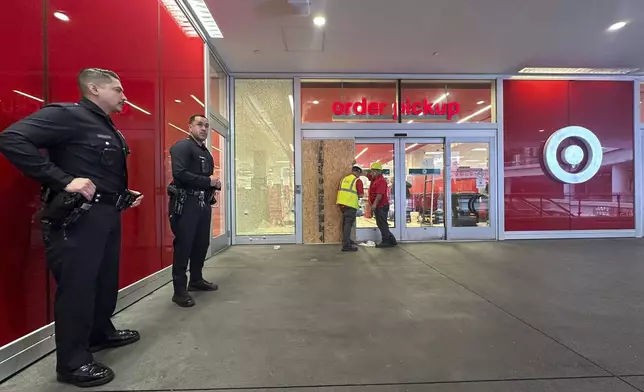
(87,156)
(349,195)
(192,192)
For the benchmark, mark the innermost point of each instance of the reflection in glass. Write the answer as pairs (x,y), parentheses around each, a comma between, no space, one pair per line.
(425,186)
(366,154)
(475,101)
(218,151)
(218,89)
(470,163)
(318,98)
(264,174)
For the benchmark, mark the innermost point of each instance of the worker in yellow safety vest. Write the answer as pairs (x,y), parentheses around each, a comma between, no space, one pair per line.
(349,195)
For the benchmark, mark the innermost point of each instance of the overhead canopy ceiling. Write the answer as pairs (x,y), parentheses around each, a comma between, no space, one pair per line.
(402,36)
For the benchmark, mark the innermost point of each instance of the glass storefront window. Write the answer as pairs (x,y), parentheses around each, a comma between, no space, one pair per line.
(264,154)
(218,94)
(537,200)
(348,101)
(218,151)
(452,102)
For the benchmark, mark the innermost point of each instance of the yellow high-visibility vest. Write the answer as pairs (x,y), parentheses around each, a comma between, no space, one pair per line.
(348,192)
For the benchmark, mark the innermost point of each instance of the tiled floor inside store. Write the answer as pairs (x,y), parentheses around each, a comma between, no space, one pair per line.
(560,315)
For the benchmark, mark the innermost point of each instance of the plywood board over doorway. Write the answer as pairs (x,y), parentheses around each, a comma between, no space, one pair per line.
(325,163)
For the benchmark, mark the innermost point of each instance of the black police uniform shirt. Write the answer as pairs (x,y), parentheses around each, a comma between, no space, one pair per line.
(192,165)
(81,140)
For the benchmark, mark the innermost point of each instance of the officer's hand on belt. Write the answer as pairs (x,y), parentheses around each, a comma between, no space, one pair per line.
(84,186)
(139,198)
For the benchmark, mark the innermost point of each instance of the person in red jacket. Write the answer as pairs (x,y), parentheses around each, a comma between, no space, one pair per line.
(379,202)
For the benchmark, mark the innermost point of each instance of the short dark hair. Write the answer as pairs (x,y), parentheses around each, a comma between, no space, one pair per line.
(95,75)
(194,117)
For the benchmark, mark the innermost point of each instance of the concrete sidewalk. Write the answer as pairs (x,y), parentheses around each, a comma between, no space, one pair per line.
(477,316)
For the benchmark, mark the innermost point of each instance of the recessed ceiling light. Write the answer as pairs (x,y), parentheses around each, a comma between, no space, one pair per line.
(541,130)
(316,102)
(480,102)
(177,100)
(617,26)
(319,21)
(61,16)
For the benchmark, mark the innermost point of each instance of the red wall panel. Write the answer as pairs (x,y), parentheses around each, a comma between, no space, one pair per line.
(182,80)
(534,110)
(132,52)
(158,64)
(23,276)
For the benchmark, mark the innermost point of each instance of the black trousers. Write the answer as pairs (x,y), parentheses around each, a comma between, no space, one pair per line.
(84,260)
(383,225)
(348,220)
(191,240)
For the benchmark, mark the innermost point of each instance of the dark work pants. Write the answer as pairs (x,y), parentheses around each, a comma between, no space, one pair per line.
(348,220)
(85,266)
(191,240)
(383,225)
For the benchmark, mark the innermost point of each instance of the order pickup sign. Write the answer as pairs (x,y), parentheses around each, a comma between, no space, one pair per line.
(416,108)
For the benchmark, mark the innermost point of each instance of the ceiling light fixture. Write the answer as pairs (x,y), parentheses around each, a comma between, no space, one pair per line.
(319,21)
(316,102)
(198,101)
(28,96)
(138,108)
(177,100)
(61,16)
(476,113)
(617,26)
(410,147)
(201,11)
(564,71)
(290,101)
(480,102)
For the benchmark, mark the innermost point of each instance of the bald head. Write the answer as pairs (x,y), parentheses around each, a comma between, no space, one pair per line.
(103,87)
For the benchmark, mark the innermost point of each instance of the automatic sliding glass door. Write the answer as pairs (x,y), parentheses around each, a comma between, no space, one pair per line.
(369,151)
(470,213)
(422,192)
(438,189)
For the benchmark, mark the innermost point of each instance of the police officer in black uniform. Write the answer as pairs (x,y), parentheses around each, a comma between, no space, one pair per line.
(87,160)
(191,192)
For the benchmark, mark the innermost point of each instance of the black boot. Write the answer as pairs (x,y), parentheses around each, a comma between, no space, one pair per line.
(184,300)
(89,375)
(202,285)
(115,339)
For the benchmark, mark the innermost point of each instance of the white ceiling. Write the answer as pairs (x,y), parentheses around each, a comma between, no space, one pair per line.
(400,36)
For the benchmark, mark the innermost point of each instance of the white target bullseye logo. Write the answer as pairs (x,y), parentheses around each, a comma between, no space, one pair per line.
(573,155)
